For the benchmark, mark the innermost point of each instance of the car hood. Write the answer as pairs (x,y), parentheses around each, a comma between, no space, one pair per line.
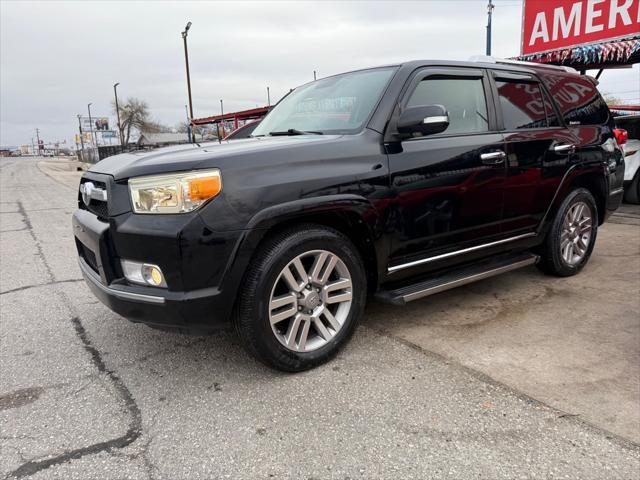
(204,155)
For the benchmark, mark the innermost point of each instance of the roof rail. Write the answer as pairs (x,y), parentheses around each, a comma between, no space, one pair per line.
(508,61)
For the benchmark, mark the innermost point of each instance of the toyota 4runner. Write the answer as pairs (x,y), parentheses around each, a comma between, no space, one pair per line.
(395,182)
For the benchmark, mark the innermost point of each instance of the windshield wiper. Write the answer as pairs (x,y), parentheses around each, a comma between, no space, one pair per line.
(293,131)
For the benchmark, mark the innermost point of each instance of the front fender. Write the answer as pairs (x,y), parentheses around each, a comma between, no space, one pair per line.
(357,213)
(271,216)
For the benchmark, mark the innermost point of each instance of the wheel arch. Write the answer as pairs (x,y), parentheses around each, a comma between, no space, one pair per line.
(597,185)
(352,215)
(591,178)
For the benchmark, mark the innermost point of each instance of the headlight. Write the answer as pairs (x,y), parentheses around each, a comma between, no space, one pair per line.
(176,193)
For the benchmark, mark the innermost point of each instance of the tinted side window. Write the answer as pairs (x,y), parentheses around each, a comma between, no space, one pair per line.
(577,98)
(463,98)
(522,105)
(552,117)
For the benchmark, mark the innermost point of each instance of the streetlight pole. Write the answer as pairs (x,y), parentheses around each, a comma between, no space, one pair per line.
(115,91)
(38,138)
(93,137)
(189,127)
(268,98)
(490,8)
(186,61)
(80,129)
(314,75)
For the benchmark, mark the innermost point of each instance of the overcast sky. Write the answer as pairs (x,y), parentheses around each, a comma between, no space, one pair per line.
(55,57)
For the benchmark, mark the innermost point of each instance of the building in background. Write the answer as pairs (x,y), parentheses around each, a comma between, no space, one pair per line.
(7,151)
(154,140)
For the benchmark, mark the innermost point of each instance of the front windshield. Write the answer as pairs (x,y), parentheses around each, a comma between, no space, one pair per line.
(339,104)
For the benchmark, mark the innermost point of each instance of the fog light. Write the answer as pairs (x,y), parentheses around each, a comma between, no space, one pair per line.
(143,273)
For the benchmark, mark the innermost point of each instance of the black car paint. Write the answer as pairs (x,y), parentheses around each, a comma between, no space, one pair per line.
(400,201)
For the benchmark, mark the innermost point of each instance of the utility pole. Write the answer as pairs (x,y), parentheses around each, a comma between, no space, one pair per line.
(94,139)
(186,61)
(38,138)
(314,74)
(490,8)
(268,98)
(115,91)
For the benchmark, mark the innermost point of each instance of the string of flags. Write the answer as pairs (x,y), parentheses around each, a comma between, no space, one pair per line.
(588,54)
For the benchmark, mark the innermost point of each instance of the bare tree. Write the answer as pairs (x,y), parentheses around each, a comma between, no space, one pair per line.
(612,99)
(134,115)
(183,127)
(152,126)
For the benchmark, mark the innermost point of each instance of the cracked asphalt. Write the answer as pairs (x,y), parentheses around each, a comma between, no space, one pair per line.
(85,394)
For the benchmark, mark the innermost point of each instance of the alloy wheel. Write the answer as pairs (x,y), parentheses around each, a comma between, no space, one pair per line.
(310,300)
(576,233)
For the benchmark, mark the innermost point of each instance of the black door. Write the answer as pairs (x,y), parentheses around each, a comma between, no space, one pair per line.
(449,187)
(539,150)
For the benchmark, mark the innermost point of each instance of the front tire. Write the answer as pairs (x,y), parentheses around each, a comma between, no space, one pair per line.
(302,296)
(572,236)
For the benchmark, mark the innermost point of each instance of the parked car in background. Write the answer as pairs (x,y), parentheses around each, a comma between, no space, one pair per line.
(631,124)
(244,131)
(396,182)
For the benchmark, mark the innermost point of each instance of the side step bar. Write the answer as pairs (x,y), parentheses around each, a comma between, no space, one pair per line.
(455,278)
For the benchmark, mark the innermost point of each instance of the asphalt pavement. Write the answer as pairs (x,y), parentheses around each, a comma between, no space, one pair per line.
(85,394)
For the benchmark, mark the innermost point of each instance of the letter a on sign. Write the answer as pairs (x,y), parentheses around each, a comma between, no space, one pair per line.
(540,29)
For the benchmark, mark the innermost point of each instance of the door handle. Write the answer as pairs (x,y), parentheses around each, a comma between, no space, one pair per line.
(564,148)
(493,158)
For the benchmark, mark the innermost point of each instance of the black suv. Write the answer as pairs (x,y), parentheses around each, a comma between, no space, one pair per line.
(395,182)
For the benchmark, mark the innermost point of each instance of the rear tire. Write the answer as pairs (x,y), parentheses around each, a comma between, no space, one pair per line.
(632,192)
(292,314)
(570,241)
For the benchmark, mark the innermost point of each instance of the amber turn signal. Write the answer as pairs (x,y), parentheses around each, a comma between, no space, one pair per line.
(204,188)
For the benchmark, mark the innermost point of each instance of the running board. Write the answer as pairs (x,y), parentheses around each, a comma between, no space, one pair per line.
(455,278)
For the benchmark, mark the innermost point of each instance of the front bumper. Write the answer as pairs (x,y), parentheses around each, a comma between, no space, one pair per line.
(193,311)
(178,248)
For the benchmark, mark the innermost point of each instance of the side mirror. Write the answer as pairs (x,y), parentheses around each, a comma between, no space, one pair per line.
(424,119)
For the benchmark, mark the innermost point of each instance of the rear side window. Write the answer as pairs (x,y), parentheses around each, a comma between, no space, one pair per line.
(552,117)
(577,98)
(522,105)
(463,98)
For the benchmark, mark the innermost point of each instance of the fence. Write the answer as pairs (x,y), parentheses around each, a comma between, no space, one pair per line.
(94,155)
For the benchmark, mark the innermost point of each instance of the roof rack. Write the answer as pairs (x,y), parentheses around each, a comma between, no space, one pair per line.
(507,61)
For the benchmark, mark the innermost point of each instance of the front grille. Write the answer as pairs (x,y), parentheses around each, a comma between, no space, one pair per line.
(88,256)
(97,207)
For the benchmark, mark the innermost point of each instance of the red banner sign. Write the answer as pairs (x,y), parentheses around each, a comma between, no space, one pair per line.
(554,24)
